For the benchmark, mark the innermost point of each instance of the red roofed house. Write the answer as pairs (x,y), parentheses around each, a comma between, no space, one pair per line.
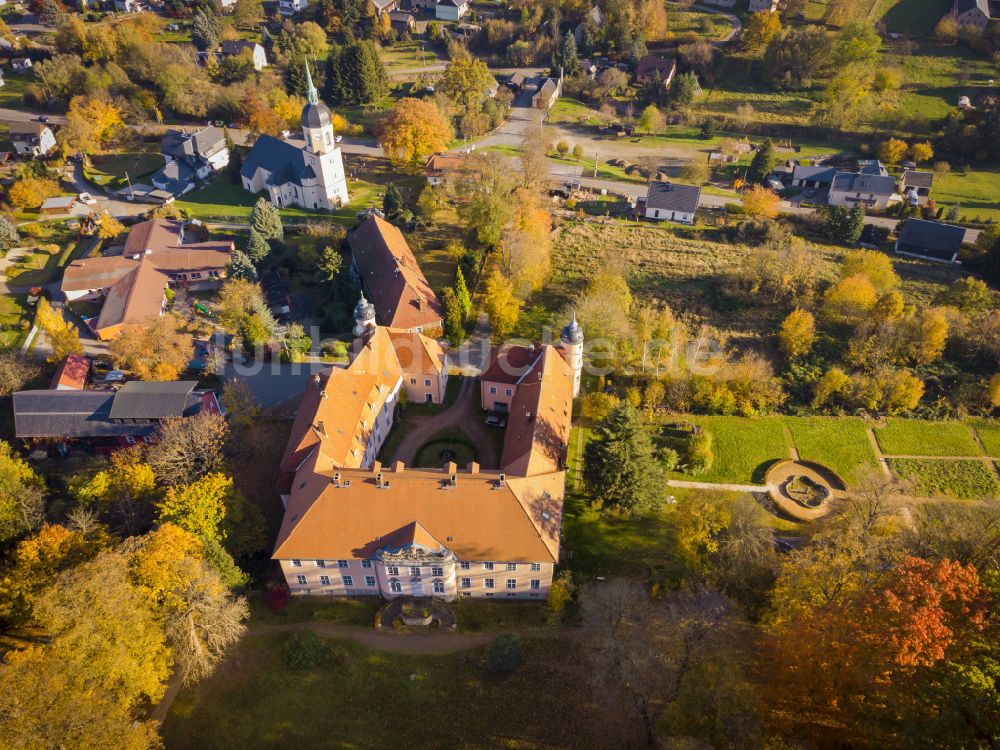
(131,285)
(439,165)
(395,284)
(651,66)
(71,375)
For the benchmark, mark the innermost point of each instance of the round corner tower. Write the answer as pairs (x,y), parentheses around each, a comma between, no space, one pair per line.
(571,345)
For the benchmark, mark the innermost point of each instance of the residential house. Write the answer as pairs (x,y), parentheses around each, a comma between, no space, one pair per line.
(850,189)
(240,46)
(291,7)
(974,13)
(131,286)
(71,375)
(60,204)
(451,10)
(595,17)
(307,173)
(440,165)
(813,177)
(401,296)
(190,158)
(930,240)
(106,419)
(547,91)
(21,64)
(32,138)
(915,187)
(402,22)
(423,5)
(128,6)
(651,66)
(384,6)
(353,527)
(770,6)
(670,201)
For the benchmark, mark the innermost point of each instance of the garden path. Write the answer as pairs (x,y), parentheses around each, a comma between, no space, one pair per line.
(463,416)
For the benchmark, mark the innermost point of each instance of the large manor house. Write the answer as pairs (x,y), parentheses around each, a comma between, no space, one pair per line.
(353,526)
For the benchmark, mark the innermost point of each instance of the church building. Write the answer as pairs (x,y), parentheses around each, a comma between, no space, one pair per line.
(307,174)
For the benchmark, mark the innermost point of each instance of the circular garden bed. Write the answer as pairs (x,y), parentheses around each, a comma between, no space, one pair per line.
(434,454)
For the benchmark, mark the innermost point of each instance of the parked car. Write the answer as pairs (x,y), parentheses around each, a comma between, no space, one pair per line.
(43,118)
(87,199)
(494,421)
(338,139)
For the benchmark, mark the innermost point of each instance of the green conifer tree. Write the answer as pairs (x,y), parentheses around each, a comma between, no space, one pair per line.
(462,294)
(241,267)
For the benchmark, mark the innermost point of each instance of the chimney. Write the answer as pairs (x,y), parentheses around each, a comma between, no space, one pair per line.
(451,467)
(397,467)
(376,467)
(473,468)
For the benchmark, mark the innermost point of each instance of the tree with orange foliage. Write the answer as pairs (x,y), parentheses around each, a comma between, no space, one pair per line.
(413,131)
(760,202)
(91,123)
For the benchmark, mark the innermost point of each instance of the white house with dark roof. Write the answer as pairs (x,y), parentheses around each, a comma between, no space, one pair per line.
(669,201)
(237,47)
(915,186)
(291,7)
(310,175)
(975,13)
(190,157)
(930,240)
(451,10)
(869,190)
(32,138)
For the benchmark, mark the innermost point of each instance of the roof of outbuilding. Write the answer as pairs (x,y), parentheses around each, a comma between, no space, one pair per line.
(152,400)
(650,64)
(912,178)
(963,6)
(930,238)
(671,196)
(70,414)
(396,285)
(71,373)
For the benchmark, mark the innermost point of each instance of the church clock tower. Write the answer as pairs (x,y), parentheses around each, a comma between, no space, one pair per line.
(324,184)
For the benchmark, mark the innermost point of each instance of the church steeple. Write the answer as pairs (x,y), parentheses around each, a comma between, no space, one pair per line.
(311,94)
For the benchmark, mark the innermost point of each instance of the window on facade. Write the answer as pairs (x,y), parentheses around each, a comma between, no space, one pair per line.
(466,583)
(427,382)
(301,580)
(414,570)
(196,276)
(396,587)
(493,390)
(370,581)
(348,580)
(535,583)
(342,564)
(296,563)
(465,565)
(321,563)
(437,571)
(392,570)
(535,567)
(413,381)
(325,580)
(488,566)
(438,587)
(512,583)
(511,566)
(366,563)
(508,392)
(488,582)
(130,440)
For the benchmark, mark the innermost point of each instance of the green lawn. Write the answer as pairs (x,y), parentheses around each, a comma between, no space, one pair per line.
(374,699)
(840,443)
(743,447)
(921,437)
(711,26)
(12,92)
(961,479)
(989,436)
(915,17)
(109,169)
(222,200)
(978,193)
(412,54)
(36,268)
(13,307)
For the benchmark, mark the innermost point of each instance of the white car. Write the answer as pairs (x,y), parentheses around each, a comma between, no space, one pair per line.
(87,199)
(338,139)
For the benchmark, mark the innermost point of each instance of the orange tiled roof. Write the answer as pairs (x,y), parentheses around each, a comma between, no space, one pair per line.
(478,519)
(136,296)
(395,283)
(441,162)
(71,373)
(510,362)
(417,353)
(540,418)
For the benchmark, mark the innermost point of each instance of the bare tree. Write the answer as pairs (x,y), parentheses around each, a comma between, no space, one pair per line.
(874,497)
(534,159)
(84,520)
(16,371)
(188,448)
(968,533)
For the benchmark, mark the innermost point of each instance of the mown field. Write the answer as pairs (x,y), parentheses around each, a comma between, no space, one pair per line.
(919,437)
(965,480)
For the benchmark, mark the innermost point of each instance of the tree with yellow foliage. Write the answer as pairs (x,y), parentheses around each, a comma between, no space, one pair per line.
(32,192)
(199,507)
(760,202)
(930,336)
(412,131)
(502,307)
(287,107)
(798,333)
(109,227)
(91,123)
(61,335)
(525,247)
(154,350)
(993,391)
(892,151)
(849,299)
(875,266)
(922,152)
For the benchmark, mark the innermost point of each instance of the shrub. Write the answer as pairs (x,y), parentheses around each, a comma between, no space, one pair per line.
(304,650)
(277,598)
(335,349)
(506,654)
(561,591)
(699,452)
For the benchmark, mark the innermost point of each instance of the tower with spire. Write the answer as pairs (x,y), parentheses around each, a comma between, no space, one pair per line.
(364,316)
(571,347)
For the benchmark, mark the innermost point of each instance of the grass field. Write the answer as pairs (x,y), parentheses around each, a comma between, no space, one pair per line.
(412,54)
(110,169)
(916,17)
(978,193)
(840,443)
(743,447)
(255,701)
(710,26)
(961,479)
(989,436)
(919,437)
(12,92)
(13,307)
